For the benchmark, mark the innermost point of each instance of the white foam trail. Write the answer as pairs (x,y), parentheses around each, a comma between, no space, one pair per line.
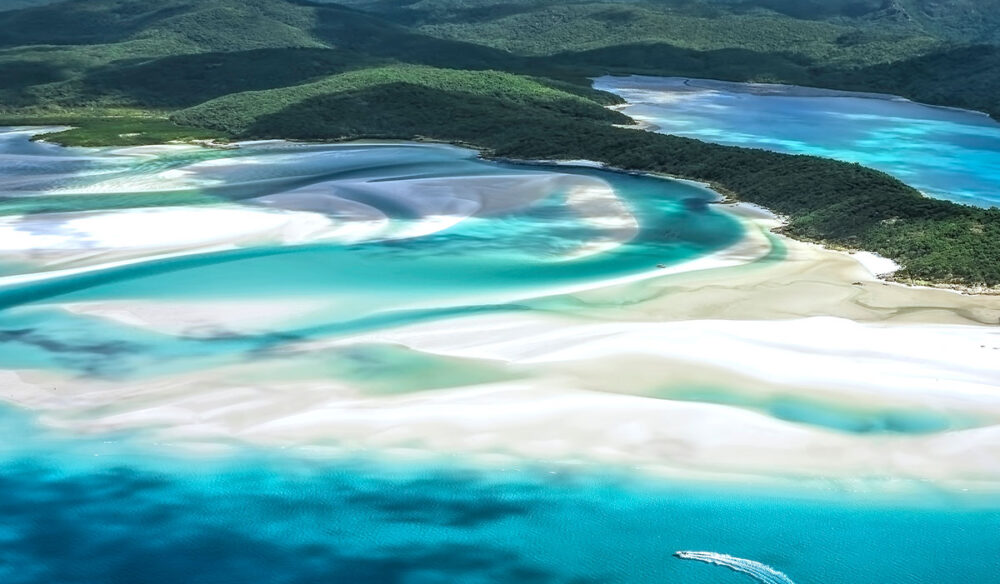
(756,570)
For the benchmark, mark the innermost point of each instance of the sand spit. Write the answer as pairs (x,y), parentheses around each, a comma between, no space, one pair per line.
(797,280)
(344,209)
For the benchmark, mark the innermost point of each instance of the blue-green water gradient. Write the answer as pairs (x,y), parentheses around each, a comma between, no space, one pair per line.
(946,153)
(482,263)
(107,510)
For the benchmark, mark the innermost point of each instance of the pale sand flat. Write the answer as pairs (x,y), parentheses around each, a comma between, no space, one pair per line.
(542,419)
(809,280)
(817,323)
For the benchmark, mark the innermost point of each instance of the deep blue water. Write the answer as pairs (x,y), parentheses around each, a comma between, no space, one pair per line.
(109,510)
(946,153)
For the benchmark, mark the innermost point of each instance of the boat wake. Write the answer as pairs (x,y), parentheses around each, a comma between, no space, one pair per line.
(756,570)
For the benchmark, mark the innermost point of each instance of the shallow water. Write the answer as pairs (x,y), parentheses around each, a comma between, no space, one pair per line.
(104,510)
(490,260)
(116,507)
(946,153)
(803,409)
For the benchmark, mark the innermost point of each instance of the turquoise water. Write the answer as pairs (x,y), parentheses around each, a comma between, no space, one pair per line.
(116,508)
(488,262)
(946,153)
(805,409)
(105,510)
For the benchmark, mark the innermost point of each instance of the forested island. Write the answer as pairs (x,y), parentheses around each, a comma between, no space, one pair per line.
(513,80)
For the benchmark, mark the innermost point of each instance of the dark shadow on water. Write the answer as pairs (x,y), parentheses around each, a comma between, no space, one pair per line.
(126,526)
(449,502)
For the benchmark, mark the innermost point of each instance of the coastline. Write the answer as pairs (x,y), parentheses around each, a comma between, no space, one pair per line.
(324,292)
(489,154)
(898,274)
(727,199)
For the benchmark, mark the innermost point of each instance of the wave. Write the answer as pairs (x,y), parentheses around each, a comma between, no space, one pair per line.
(756,570)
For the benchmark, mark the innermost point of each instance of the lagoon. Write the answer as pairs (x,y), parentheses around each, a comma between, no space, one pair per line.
(379,234)
(946,153)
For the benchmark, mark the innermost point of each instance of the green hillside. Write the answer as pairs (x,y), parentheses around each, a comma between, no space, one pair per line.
(865,45)
(511,78)
(549,29)
(963,21)
(176,53)
(392,102)
(181,24)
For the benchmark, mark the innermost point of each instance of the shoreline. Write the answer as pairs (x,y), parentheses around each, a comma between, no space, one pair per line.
(725,197)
